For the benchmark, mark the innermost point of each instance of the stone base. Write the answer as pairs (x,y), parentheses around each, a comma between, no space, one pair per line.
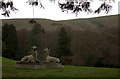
(36,66)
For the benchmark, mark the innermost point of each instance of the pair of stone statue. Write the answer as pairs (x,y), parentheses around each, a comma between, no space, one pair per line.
(33,57)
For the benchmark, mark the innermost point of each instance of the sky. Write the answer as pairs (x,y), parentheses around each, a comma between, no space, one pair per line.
(53,12)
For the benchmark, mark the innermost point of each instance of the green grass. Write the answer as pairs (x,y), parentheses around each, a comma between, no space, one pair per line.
(68,71)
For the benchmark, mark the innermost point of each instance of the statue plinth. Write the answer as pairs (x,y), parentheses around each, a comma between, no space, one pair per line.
(38,65)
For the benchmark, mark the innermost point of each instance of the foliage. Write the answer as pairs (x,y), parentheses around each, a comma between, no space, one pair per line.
(100,62)
(7,7)
(89,59)
(63,43)
(75,6)
(83,5)
(22,38)
(10,41)
(35,3)
(22,35)
(33,36)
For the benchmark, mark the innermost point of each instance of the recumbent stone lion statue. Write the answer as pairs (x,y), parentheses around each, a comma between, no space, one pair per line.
(50,59)
(30,58)
(33,57)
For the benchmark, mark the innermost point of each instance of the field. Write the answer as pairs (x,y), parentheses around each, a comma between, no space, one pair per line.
(68,71)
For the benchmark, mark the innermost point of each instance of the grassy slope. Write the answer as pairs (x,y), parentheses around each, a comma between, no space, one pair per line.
(67,71)
(73,24)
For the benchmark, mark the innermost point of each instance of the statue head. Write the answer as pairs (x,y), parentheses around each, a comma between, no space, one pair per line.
(46,50)
(34,48)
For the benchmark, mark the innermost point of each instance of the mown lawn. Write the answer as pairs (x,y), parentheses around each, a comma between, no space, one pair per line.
(68,71)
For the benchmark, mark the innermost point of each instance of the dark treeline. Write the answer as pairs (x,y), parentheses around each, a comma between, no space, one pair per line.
(96,46)
(9,41)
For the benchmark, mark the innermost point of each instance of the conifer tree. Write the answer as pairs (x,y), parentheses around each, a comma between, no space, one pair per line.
(34,36)
(63,43)
(10,39)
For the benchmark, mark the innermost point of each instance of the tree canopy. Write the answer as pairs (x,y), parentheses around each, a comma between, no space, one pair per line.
(75,6)
(33,38)
(63,43)
(10,41)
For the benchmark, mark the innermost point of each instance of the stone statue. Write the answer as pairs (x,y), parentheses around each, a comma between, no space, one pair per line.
(27,59)
(34,53)
(31,61)
(30,58)
(48,58)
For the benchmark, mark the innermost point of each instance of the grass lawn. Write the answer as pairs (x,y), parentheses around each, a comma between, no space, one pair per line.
(68,71)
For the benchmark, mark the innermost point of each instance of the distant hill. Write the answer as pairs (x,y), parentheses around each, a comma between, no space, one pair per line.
(75,24)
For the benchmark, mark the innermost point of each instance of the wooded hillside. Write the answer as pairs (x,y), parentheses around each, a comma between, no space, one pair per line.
(94,42)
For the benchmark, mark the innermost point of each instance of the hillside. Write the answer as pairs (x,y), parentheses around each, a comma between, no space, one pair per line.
(94,41)
(74,24)
(68,71)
